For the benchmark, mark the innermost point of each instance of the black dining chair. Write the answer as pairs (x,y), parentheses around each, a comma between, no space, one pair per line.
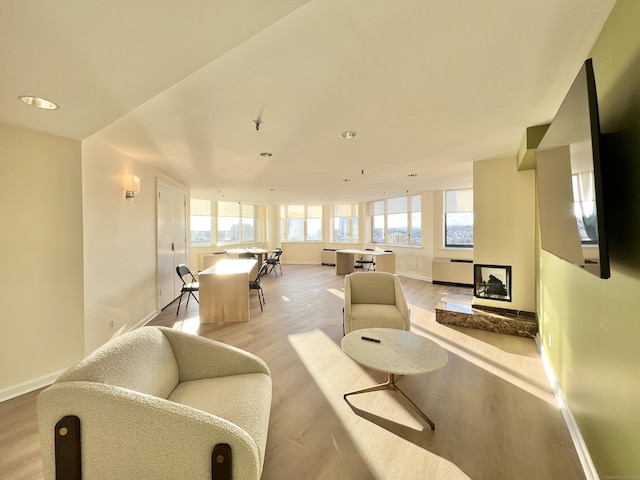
(366,260)
(189,285)
(274,261)
(257,284)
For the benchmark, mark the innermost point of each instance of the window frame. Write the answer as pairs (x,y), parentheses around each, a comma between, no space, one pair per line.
(349,222)
(309,213)
(380,212)
(245,211)
(457,211)
(200,206)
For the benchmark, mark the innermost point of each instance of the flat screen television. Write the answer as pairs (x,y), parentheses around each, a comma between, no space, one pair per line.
(569,178)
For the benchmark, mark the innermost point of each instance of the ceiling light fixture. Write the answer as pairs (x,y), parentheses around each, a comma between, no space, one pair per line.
(413,175)
(349,134)
(38,102)
(266,154)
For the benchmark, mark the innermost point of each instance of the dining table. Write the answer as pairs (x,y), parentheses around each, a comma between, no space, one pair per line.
(224,291)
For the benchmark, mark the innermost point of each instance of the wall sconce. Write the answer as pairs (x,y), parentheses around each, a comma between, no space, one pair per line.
(131,185)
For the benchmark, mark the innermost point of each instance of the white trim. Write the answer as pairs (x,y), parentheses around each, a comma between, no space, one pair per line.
(578,441)
(146,319)
(30,386)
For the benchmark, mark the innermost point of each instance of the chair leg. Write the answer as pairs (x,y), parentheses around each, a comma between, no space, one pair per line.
(179,303)
(67,448)
(261,298)
(194,297)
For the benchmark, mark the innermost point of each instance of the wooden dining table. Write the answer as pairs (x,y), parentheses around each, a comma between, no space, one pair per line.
(259,253)
(224,291)
(345,260)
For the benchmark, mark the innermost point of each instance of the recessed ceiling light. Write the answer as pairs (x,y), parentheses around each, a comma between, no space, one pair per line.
(38,102)
(266,154)
(413,175)
(346,179)
(349,134)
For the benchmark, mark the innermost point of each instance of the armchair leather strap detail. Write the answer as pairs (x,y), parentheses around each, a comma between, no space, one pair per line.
(67,448)
(221,462)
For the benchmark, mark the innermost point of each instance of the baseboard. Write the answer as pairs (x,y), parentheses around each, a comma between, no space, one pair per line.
(146,320)
(415,277)
(27,387)
(584,456)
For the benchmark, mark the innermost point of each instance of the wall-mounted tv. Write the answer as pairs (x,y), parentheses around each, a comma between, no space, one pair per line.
(569,178)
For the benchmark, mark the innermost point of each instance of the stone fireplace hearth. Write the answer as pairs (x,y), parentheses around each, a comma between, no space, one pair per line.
(458,311)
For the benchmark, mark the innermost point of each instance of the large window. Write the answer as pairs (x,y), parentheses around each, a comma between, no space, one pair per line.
(200,221)
(301,223)
(396,221)
(236,223)
(458,218)
(345,223)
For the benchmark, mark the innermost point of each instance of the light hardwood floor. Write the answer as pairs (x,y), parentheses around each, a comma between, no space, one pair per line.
(495,415)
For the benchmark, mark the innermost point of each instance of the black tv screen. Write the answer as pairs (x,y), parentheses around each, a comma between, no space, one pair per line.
(569,178)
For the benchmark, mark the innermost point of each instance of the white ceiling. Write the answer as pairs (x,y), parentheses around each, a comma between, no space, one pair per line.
(431,86)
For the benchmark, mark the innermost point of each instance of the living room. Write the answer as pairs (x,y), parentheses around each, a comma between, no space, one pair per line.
(91,255)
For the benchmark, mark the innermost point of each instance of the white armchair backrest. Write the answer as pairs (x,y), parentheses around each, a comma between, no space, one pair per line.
(372,288)
(143,360)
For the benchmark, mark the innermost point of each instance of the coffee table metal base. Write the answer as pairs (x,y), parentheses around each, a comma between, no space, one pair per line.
(390,384)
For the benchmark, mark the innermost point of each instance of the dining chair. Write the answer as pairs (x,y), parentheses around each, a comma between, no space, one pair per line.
(274,261)
(366,260)
(189,285)
(257,284)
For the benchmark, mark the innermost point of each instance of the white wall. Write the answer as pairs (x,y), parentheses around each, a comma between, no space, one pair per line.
(119,244)
(504,226)
(41,245)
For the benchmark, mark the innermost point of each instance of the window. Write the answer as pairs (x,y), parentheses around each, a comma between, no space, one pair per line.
(345,223)
(236,222)
(458,218)
(301,223)
(396,221)
(200,221)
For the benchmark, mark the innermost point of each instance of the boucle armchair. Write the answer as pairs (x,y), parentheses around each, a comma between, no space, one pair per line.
(157,403)
(374,299)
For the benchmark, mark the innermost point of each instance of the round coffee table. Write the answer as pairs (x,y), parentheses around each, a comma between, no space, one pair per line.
(395,352)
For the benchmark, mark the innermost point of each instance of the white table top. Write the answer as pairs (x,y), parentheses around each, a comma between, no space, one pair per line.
(364,252)
(229,265)
(399,352)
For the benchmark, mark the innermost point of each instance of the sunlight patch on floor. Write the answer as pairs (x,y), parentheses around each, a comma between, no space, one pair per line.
(525,372)
(386,454)
(189,325)
(338,293)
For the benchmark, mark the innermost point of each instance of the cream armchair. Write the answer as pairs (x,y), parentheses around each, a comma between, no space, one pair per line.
(374,299)
(157,403)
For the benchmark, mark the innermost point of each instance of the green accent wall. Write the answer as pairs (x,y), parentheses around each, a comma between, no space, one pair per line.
(590,327)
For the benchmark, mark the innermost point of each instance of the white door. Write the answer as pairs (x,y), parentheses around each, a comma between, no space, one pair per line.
(172,241)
